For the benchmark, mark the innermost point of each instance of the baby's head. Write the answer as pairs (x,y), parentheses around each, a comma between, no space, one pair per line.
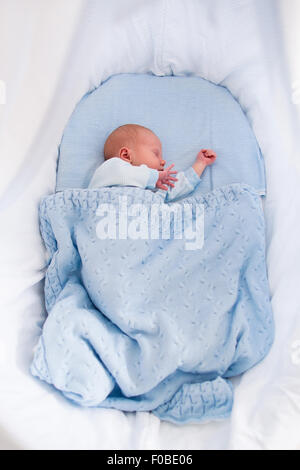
(136,145)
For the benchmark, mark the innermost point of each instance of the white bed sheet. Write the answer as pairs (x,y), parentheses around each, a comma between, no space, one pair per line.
(289,20)
(54,54)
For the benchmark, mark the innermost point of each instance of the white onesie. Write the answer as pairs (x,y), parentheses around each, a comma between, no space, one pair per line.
(117,172)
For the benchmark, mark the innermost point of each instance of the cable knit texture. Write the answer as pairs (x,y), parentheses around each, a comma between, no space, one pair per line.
(146,324)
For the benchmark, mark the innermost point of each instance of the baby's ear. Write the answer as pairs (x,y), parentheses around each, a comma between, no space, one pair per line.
(124,153)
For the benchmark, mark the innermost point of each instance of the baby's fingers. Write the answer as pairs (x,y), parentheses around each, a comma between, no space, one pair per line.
(172,172)
(171,166)
(166,180)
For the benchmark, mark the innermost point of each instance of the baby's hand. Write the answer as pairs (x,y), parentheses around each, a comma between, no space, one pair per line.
(164,177)
(206,156)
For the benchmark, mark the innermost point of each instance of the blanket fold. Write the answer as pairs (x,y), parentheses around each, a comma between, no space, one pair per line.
(141,321)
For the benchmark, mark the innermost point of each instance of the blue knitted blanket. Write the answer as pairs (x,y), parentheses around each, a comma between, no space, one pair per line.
(153,305)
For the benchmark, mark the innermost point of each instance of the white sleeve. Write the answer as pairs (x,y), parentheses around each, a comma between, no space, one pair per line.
(187,182)
(117,172)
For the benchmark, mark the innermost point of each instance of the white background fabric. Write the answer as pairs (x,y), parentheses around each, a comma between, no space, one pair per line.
(289,11)
(52,53)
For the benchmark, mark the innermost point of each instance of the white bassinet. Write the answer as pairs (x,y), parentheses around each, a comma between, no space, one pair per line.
(56,51)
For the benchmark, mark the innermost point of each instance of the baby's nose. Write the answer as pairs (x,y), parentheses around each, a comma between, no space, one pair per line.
(163,162)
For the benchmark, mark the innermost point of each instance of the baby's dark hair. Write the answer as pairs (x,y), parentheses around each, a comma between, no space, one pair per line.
(123,135)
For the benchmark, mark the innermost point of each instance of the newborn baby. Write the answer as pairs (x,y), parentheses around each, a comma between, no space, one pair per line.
(133,157)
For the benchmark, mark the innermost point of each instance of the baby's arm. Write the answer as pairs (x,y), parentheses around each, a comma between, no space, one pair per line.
(159,179)
(204,158)
(116,172)
(189,179)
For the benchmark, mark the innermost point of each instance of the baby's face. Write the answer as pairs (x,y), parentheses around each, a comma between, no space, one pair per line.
(148,151)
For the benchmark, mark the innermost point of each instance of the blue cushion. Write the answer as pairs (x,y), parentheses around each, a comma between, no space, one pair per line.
(186,113)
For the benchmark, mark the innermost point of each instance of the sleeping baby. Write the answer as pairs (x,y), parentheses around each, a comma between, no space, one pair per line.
(133,157)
